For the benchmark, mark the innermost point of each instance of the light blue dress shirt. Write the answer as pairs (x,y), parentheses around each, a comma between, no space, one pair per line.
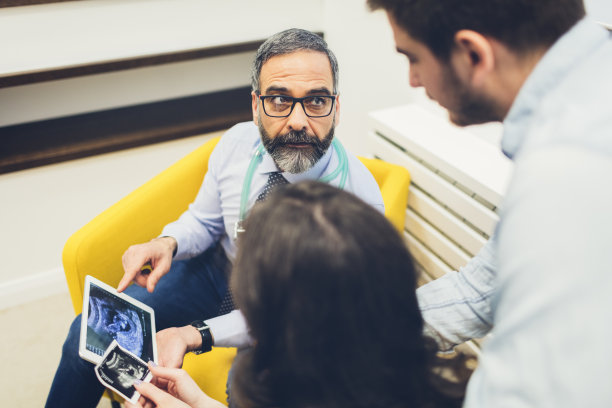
(544,283)
(214,212)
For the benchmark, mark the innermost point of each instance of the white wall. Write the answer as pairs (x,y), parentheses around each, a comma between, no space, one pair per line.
(41,207)
(52,99)
(45,37)
(600,10)
(372,74)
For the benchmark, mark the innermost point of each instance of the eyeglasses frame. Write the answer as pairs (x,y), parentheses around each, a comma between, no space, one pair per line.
(301,102)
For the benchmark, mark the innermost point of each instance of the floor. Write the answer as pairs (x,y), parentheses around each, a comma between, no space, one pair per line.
(31,337)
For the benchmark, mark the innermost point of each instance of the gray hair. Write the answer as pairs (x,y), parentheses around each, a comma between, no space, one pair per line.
(287,42)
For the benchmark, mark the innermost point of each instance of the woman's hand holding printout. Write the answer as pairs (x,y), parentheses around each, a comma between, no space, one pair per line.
(182,392)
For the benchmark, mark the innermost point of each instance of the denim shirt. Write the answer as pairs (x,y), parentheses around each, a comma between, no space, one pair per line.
(543,285)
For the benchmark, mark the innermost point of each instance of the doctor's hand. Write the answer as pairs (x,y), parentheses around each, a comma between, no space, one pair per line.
(183,392)
(174,342)
(157,253)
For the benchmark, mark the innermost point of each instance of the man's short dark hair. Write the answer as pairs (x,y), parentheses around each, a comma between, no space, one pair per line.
(287,42)
(522,25)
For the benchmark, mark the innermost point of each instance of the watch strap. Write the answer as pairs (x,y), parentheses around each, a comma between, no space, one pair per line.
(207,339)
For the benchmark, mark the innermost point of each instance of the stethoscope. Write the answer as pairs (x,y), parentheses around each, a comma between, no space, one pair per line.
(341,170)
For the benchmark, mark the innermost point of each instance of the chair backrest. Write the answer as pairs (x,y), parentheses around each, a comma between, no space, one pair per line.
(97,247)
(393,181)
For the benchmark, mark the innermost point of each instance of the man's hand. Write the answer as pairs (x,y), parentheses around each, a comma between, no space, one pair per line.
(173,343)
(182,391)
(158,252)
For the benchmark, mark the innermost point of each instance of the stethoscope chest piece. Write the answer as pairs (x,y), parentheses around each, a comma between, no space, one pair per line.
(238,229)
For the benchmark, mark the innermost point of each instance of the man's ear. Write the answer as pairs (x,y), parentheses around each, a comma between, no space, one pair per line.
(473,56)
(337,109)
(254,100)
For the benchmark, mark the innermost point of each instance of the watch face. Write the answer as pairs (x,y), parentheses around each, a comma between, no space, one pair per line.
(199,324)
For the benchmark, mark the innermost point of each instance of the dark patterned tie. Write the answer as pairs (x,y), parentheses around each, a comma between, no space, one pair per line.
(274,180)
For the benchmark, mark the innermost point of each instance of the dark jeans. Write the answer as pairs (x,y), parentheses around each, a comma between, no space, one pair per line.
(192,290)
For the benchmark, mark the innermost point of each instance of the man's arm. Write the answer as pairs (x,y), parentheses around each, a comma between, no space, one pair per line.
(195,231)
(229,330)
(201,225)
(457,306)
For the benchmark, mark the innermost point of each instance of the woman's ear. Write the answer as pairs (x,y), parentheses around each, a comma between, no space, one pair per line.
(473,56)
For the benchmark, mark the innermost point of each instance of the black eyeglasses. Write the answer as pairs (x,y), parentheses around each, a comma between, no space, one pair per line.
(281,106)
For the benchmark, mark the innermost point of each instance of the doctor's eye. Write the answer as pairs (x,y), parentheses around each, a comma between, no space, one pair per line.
(281,100)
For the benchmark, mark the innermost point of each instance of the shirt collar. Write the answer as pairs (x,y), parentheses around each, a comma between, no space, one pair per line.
(569,50)
(315,172)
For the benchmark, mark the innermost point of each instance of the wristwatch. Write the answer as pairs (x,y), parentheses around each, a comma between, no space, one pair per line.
(207,339)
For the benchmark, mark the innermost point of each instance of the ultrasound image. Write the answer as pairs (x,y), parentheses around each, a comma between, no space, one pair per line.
(119,370)
(110,322)
(126,370)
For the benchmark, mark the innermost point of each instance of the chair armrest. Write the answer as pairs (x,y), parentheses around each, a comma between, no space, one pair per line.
(96,249)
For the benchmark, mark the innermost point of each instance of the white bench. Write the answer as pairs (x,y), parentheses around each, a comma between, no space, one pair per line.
(458,181)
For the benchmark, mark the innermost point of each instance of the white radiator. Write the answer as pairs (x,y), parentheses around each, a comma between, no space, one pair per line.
(457,183)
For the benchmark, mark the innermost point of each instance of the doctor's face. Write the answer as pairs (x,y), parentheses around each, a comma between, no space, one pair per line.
(296,142)
(441,81)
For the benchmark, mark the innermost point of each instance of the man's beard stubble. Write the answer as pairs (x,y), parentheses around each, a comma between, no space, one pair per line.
(469,108)
(296,160)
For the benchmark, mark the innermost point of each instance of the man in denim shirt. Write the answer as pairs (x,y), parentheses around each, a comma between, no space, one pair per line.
(542,286)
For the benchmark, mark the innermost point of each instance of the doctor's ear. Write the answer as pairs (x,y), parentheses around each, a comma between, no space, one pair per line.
(475,55)
(254,107)
(337,110)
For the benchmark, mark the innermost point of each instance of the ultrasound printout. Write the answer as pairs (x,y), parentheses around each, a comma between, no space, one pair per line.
(119,370)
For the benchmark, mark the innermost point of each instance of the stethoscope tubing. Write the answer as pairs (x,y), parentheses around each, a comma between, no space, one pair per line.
(341,170)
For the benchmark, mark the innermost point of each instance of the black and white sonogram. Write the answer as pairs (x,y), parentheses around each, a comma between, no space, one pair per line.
(112,318)
(119,369)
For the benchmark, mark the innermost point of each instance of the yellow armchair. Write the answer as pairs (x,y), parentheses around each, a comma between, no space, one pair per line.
(96,248)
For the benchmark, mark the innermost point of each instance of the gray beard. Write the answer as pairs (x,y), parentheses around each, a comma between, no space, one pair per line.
(295,160)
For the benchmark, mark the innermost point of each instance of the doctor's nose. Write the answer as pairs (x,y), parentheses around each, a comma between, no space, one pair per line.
(297,120)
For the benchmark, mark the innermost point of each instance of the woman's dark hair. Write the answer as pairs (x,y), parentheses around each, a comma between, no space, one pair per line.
(522,25)
(327,287)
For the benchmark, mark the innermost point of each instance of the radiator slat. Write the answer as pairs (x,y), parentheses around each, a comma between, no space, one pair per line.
(434,266)
(459,232)
(435,241)
(441,190)
(472,162)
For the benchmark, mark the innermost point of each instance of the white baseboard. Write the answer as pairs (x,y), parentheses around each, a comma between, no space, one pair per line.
(30,288)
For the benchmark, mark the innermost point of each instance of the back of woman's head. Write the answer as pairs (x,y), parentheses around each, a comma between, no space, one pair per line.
(328,289)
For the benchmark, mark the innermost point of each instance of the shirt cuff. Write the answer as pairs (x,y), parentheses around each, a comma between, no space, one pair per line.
(229,330)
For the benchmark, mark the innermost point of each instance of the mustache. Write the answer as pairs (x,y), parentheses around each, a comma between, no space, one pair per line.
(295,137)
